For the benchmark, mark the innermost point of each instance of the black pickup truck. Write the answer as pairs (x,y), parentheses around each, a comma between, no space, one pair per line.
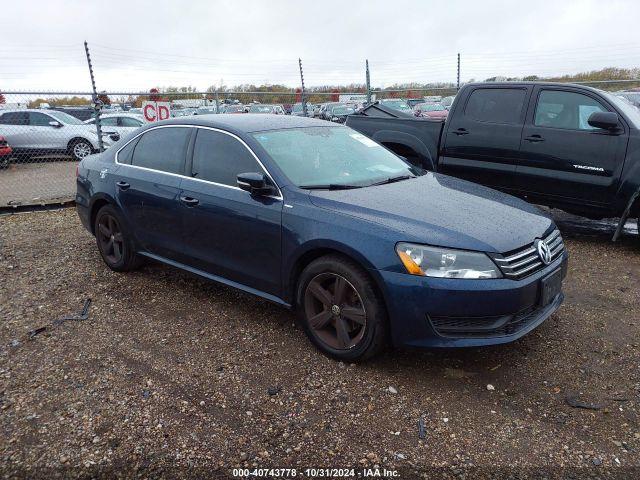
(565,146)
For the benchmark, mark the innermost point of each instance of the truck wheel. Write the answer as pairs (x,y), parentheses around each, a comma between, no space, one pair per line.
(80,148)
(341,310)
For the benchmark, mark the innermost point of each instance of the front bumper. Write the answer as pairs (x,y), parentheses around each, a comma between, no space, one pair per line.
(437,312)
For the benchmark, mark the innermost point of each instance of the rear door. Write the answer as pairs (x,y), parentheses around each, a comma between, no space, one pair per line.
(14,126)
(227,231)
(482,139)
(562,155)
(148,186)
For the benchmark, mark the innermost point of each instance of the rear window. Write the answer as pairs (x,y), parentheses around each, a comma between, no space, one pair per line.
(162,149)
(496,105)
(14,118)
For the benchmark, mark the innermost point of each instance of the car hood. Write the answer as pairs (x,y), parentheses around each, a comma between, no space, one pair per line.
(443,211)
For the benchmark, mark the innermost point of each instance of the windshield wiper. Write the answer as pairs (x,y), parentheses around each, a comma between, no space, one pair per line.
(330,186)
(393,179)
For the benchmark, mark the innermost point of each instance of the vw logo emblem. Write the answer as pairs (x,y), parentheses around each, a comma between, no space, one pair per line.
(544,252)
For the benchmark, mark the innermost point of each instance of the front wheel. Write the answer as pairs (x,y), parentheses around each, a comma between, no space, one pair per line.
(80,148)
(341,311)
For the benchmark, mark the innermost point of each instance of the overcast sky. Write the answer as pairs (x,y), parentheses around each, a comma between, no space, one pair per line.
(205,42)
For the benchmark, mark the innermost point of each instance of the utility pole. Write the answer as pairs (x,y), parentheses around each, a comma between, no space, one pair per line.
(368,81)
(458,82)
(303,98)
(96,102)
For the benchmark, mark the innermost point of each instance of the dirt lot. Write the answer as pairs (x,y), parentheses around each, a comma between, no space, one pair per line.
(171,375)
(38,182)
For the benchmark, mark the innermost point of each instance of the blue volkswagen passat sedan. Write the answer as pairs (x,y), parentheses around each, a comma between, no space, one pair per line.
(370,250)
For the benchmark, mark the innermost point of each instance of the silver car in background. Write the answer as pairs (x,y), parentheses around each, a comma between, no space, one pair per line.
(36,132)
(123,123)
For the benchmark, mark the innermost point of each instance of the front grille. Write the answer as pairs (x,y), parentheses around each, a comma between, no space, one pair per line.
(525,261)
(483,327)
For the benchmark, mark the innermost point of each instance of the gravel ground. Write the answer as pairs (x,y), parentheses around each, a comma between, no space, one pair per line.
(174,376)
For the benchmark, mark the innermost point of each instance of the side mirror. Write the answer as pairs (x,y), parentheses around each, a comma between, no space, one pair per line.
(115,137)
(55,124)
(605,120)
(254,183)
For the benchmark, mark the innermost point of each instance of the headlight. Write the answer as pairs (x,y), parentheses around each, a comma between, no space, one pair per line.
(446,263)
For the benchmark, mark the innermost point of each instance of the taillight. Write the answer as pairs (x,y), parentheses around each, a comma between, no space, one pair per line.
(77,171)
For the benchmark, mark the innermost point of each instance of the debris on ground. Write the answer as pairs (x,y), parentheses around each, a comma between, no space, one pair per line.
(574,402)
(83,315)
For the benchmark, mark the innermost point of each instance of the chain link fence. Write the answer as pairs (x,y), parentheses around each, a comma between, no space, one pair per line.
(44,134)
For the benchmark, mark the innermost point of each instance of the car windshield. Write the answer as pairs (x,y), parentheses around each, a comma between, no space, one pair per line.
(332,156)
(298,107)
(65,117)
(430,107)
(342,110)
(632,112)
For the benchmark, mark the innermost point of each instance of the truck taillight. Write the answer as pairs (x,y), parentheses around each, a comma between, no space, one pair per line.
(77,171)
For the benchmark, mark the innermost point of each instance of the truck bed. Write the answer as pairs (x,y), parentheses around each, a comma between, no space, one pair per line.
(420,137)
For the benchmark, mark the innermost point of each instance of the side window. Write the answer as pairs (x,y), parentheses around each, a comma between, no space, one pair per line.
(162,149)
(37,119)
(218,157)
(125,155)
(109,122)
(570,110)
(496,105)
(129,122)
(14,118)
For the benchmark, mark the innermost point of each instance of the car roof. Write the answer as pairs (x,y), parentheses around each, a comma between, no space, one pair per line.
(247,123)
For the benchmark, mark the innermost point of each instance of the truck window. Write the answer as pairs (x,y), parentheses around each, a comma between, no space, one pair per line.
(496,105)
(568,110)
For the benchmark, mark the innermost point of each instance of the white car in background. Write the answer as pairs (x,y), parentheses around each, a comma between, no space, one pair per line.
(122,123)
(34,132)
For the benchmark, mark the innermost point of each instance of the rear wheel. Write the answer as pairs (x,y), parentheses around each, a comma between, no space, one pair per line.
(342,312)
(80,148)
(114,241)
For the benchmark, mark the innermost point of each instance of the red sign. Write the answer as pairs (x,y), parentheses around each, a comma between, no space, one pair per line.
(156,111)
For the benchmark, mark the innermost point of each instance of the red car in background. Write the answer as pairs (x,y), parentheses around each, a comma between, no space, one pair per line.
(5,152)
(434,111)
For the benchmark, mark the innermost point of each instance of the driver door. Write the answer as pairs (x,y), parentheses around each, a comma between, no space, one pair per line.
(561,155)
(227,231)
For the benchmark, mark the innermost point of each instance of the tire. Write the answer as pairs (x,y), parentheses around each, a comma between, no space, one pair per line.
(115,242)
(80,148)
(4,162)
(344,287)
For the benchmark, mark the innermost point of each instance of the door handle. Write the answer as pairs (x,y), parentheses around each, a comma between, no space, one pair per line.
(534,138)
(461,131)
(122,185)
(189,201)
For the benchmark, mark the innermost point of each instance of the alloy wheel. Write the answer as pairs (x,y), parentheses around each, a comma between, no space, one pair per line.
(111,239)
(334,311)
(81,150)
